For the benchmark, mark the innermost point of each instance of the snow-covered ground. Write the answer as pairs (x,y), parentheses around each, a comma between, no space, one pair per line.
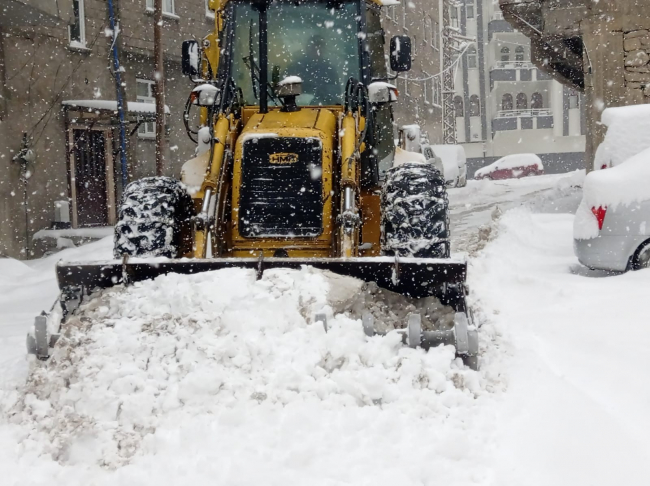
(221,379)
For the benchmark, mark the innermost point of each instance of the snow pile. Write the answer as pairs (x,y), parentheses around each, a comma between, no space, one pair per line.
(515,161)
(622,184)
(218,378)
(576,411)
(627,135)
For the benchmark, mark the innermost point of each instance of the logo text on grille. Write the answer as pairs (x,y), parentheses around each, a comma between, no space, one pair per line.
(283,158)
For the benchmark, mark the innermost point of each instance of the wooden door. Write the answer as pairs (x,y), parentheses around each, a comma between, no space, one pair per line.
(90,178)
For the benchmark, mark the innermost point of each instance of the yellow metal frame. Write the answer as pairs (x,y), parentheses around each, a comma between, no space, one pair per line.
(339,133)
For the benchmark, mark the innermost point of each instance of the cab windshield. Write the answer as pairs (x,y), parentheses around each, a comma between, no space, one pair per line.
(315,40)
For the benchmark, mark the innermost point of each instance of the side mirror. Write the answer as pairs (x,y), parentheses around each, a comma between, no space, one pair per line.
(400,53)
(191,59)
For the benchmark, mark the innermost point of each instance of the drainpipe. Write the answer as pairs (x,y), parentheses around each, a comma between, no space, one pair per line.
(120,99)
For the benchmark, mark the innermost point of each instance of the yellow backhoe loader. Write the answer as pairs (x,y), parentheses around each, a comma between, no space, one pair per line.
(297,166)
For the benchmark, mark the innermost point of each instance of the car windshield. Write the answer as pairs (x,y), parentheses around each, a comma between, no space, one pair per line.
(317,41)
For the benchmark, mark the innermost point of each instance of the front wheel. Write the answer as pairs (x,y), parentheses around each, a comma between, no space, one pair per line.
(415,217)
(154,219)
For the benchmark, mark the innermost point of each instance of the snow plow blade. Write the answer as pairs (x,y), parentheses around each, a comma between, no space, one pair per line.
(413,277)
(416,278)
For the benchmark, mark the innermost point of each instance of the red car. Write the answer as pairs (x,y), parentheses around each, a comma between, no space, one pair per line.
(512,167)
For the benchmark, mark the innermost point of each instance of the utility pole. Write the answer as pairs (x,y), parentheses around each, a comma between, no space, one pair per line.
(448,89)
(159,77)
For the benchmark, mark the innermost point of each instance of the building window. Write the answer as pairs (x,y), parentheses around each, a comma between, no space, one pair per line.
(574,100)
(522,101)
(435,35)
(437,91)
(144,94)
(469,10)
(427,30)
(537,101)
(471,58)
(427,94)
(474,106)
(519,54)
(168,7)
(458,106)
(506,102)
(505,54)
(77,30)
(391,14)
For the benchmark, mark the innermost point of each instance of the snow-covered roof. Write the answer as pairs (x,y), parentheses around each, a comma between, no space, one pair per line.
(111,105)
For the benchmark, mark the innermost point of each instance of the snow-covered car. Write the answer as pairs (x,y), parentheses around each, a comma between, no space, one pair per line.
(611,229)
(627,135)
(513,166)
(454,163)
(431,157)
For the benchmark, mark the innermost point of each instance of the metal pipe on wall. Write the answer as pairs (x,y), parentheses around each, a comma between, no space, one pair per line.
(120,99)
(159,76)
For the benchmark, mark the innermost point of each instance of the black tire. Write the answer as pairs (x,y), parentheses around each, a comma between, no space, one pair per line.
(154,219)
(641,257)
(415,216)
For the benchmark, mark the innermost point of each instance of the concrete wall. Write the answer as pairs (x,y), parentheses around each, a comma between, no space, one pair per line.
(41,70)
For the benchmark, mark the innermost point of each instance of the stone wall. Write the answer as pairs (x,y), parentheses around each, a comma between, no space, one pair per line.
(636,45)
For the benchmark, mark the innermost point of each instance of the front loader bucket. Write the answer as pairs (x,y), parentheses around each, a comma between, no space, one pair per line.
(413,277)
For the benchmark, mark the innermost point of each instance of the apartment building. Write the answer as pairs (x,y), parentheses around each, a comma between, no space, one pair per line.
(505,104)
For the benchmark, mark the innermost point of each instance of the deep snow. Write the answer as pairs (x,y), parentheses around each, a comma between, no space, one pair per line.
(220,379)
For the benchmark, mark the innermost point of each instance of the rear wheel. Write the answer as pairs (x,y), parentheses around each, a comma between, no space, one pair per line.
(154,219)
(415,216)
(641,258)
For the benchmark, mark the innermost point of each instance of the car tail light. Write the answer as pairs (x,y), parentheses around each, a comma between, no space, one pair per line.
(600,215)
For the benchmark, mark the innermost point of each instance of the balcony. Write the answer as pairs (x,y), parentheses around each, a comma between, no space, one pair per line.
(513,65)
(530,119)
(514,71)
(531,112)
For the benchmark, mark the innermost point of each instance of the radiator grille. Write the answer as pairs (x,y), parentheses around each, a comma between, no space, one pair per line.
(281,189)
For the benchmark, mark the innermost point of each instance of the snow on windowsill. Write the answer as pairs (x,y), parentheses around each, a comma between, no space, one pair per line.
(111,105)
(78,47)
(94,233)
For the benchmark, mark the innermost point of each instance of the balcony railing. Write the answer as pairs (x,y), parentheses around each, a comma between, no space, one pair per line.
(513,65)
(527,113)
